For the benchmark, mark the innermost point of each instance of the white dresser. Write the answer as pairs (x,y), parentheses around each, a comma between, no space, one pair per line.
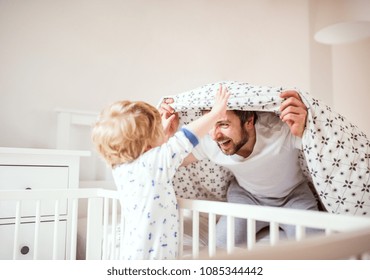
(34,169)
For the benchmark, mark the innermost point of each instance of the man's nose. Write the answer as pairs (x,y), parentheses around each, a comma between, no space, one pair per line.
(214,133)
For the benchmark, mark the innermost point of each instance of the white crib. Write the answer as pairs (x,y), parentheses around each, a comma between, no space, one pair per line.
(344,237)
(94,224)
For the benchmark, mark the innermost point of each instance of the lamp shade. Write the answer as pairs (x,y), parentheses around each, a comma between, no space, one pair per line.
(342,21)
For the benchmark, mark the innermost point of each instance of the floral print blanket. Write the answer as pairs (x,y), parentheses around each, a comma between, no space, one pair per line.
(335,155)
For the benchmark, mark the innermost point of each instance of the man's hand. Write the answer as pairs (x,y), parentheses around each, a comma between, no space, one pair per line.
(293,112)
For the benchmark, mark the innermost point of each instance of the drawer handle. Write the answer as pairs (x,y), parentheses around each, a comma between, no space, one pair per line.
(25,250)
(29,188)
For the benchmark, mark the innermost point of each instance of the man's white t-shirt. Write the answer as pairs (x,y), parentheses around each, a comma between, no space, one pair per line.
(272,169)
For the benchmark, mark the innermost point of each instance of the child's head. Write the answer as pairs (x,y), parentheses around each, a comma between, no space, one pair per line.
(125,130)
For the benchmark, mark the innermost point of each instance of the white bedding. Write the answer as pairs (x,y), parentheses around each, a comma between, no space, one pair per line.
(335,156)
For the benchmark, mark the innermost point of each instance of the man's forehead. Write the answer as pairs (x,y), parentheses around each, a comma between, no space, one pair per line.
(230,115)
(228,112)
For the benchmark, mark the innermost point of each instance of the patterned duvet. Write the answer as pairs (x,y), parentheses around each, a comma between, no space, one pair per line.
(335,155)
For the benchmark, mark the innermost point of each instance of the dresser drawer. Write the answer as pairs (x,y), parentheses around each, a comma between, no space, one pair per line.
(25,248)
(22,177)
(14,177)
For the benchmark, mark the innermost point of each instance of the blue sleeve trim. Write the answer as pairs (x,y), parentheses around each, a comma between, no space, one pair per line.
(192,138)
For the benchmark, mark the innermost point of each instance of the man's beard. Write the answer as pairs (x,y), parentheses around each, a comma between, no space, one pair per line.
(229,147)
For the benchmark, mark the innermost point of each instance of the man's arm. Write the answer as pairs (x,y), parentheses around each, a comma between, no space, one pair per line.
(293,112)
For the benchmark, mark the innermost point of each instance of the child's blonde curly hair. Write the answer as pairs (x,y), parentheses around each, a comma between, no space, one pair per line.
(125,130)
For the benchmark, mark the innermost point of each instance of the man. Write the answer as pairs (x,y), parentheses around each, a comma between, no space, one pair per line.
(261,150)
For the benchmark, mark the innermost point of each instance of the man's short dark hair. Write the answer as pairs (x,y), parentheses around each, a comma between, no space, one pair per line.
(244,116)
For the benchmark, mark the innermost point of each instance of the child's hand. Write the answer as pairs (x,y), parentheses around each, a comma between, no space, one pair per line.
(202,125)
(221,99)
(170,124)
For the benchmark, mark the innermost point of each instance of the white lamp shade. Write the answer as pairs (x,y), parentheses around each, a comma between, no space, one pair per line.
(344,32)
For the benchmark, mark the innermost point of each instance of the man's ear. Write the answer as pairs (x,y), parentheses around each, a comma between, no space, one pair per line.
(250,122)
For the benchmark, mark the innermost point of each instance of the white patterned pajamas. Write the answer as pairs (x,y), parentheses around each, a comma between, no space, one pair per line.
(149,206)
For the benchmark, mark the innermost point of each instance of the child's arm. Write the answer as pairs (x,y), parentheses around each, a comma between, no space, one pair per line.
(202,125)
(170,123)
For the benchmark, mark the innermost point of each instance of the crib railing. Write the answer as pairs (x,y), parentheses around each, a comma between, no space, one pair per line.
(352,245)
(344,236)
(102,208)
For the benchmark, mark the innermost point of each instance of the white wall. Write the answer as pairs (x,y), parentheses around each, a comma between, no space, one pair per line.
(321,76)
(340,65)
(351,80)
(84,54)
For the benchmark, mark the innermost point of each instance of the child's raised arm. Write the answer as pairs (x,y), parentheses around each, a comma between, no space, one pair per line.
(202,125)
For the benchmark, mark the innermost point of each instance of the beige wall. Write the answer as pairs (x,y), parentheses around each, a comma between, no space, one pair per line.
(341,65)
(83,55)
(320,70)
(351,80)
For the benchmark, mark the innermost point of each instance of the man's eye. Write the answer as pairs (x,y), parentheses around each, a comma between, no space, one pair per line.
(224,125)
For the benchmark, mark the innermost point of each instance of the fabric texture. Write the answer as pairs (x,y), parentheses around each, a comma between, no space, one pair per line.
(150,209)
(335,155)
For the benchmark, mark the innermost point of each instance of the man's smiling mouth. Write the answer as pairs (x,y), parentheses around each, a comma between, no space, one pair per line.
(224,143)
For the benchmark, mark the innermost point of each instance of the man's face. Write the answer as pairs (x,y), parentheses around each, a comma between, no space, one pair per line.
(229,134)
